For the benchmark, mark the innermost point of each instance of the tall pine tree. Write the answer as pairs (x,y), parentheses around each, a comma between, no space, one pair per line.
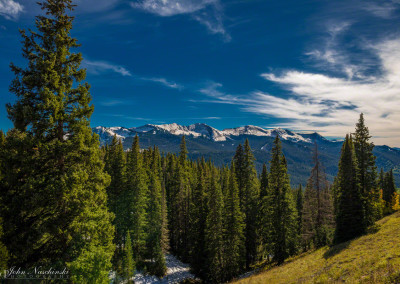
(367,173)
(249,192)
(214,232)
(349,204)
(317,215)
(282,215)
(136,201)
(54,181)
(234,230)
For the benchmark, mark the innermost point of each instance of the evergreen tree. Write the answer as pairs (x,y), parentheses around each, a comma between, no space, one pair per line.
(214,233)
(198,215)
(234,230)
(249,192)
(164,213)
(317,219)
(350,211)
(54,183)
(264,182)
(136,201)
(367,173)
(381,180)
(154,213)
(129,261)
(389,187)
(115,166)
(282,214)
(3,250)
(180,204)
(263,207)
(299,200)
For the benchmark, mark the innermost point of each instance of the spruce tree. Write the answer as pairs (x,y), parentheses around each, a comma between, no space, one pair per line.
(115,166)
(180,205)
(136,201)
(198,215)
(214,233)
(264,182)
(282,215)
(164,212)
(54,181)
(318,210)
(129,262)
(389,187)
(249,193)
(234,229)
(299,200)
(3,250)
(154,215)
(350,211)
(367,172)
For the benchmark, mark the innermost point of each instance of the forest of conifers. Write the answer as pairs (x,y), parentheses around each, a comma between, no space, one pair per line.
(67,203)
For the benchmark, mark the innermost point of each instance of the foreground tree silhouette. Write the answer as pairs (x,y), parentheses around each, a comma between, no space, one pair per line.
(54,183)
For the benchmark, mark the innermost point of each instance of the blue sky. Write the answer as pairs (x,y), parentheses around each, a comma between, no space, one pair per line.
(301,65)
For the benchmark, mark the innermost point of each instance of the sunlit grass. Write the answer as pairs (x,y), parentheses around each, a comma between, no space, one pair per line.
(373,258)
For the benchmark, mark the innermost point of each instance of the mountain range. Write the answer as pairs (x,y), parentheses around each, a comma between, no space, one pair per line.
(220,146)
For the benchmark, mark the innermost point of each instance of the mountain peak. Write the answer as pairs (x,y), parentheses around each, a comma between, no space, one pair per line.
(203,130)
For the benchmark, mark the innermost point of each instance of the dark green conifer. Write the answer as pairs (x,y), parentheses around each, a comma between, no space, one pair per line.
(388,190)
(54,181)
(282,214)
(299,200)
(136,201)
(350,211)
(317,215)
(154,214)
(129,262)
(234,229)
(249,193)
(367,173)
(214,232)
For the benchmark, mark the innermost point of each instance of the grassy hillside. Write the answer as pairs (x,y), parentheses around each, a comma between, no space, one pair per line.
(374,258)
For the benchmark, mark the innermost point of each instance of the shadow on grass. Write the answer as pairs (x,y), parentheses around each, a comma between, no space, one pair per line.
(334,250)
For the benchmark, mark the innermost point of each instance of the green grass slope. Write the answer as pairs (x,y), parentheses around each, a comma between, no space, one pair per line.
(373,258)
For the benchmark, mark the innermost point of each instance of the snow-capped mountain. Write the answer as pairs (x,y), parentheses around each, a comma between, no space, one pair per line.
(199,130)
(220,146)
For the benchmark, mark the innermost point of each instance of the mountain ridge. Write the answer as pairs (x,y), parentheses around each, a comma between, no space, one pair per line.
(220,146)
(204,130)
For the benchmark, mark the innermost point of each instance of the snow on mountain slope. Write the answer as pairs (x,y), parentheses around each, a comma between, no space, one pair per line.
(197,130)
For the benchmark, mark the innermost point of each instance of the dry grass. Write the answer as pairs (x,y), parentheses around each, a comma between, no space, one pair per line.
(373,258)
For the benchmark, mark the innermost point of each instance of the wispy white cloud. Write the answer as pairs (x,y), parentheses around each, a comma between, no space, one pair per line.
(98,67)
(113,103)
(207,12)
(168,8)
(382,9)
(10,9)
(331,56)
(331,104)
(164,82)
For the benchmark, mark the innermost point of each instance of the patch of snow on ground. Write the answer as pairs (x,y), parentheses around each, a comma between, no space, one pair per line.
(176,272)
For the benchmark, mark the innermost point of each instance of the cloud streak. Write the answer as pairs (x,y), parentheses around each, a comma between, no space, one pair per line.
(164,82)
(209,13)
(99,67)
(331,104)
(10,9)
